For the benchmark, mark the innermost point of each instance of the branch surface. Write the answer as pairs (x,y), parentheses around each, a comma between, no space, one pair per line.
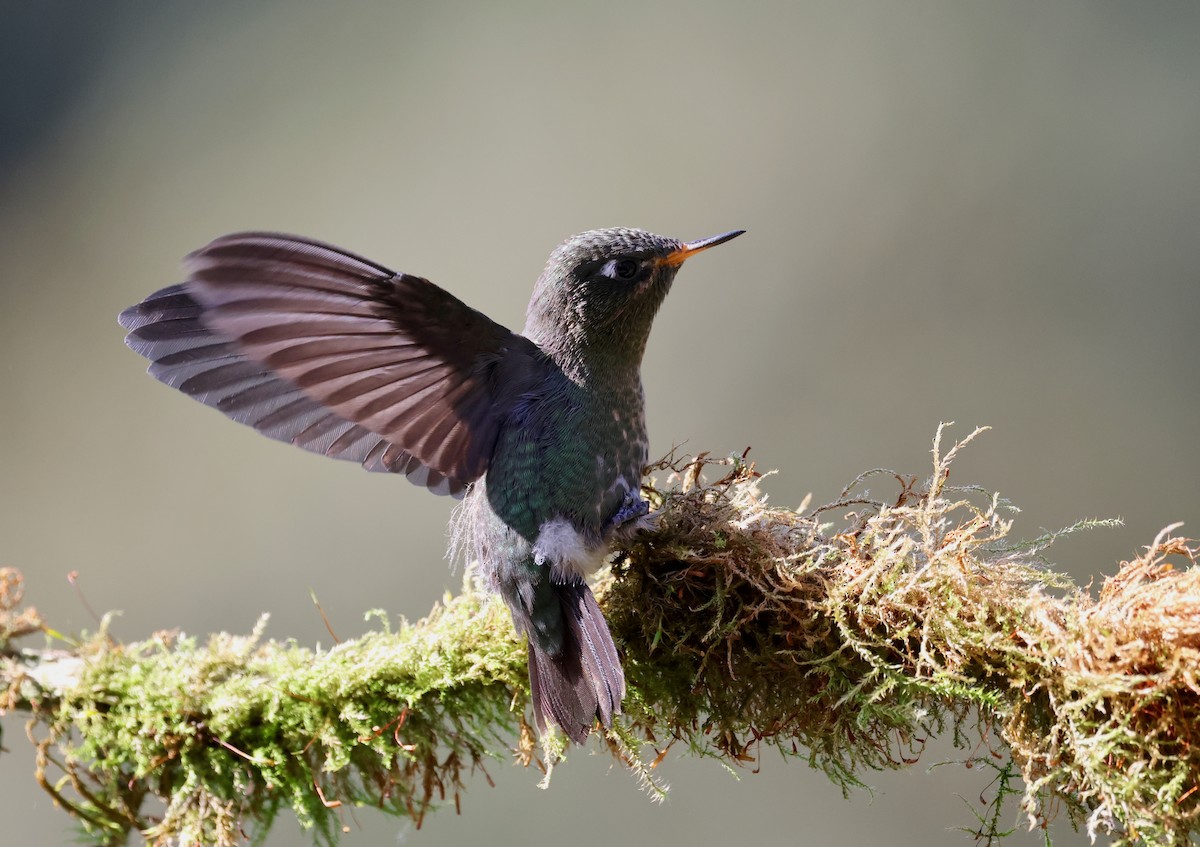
(846,641)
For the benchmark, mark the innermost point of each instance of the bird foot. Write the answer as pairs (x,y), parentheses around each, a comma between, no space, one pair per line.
(633,508)
(632,518)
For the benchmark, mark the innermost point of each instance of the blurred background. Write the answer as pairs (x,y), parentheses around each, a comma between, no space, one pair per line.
(979,212)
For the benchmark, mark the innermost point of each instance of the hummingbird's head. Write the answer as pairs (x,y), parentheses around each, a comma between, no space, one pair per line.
(601,289)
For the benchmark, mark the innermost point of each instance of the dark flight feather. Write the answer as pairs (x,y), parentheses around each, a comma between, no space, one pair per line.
(338,355)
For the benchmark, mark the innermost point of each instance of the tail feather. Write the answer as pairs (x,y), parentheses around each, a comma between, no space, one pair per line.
(583,680)
(600,660)
(561,693)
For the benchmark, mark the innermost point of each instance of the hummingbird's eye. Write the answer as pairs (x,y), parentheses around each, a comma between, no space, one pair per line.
(626,269)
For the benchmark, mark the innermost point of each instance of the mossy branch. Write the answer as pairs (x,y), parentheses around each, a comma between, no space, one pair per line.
(741,625)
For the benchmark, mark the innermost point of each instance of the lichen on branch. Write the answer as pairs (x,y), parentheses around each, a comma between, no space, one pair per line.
(845,634)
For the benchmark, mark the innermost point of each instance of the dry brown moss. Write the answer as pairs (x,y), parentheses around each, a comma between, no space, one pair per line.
(747,625)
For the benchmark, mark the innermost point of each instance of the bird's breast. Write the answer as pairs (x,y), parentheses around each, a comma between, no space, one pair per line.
(568,458)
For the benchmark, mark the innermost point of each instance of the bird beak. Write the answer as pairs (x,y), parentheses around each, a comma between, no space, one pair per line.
(691,248)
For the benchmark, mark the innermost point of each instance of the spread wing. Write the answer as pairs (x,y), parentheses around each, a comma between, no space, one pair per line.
(321,348)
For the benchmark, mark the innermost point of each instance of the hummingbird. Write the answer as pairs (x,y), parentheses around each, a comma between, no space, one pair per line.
(541,434)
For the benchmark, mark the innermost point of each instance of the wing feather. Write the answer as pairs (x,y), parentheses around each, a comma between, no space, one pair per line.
(338,355)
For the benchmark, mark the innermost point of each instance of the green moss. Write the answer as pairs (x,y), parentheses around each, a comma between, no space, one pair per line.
(229,732)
